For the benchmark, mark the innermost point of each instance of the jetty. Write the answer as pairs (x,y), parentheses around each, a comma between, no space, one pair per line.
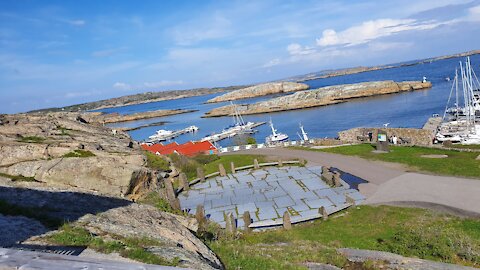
(171,135)
(229,133)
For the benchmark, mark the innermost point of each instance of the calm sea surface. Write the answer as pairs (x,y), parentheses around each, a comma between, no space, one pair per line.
(409,109)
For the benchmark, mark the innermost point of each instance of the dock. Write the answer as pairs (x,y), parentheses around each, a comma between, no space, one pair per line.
(173,134)
(224,135)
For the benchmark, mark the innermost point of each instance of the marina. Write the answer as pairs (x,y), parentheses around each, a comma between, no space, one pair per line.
(164,135)
(408,109)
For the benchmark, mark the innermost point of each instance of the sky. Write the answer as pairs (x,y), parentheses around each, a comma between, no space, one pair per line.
(58,53)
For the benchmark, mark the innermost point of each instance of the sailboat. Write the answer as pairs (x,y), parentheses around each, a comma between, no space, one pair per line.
(460,123)
(275,137)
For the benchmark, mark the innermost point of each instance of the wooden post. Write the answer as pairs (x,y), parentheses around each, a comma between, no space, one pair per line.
(201,174)
(230,224)
(200,217)
(255,164)
(221,169)
(171,197)
(287,223)
(350,199)
(280,163)
(322,211)
(247,220)
(184,181)
(336,179)
(232,166)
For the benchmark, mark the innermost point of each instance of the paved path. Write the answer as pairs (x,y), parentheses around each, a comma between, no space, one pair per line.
(391,183)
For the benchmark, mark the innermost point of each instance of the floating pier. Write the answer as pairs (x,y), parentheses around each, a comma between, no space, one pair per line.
(173,135)
(228,134)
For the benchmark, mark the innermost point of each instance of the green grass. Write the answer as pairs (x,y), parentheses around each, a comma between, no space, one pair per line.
(210,163)
(19,178)
(133,248)
(406,231)
(154,199)
(457,164)
(79,153)
(156,162)
(39,214)
(32,139)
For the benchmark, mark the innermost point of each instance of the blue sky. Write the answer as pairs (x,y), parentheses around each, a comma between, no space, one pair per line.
(56,53)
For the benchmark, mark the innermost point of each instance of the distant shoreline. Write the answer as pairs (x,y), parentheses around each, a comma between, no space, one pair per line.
(149,97)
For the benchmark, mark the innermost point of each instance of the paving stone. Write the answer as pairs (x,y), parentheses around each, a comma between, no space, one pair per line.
(202,185)
(222,178)
(222,202)
(309,213)
(267,213)
(284,201)
(300,206)
(245,178)
(240,223)
(215,216)
(325,192)
(251,207)
(314,183)
(357,196)
(318,203)
(243,192)
(214,196)
(337,199)
(259,185)
(277,192)
(340,190)
(263,204)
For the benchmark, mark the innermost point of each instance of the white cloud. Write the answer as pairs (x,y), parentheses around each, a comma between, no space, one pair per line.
(371,30)
(474,13)
(122,86)
(297,49)
(271,63)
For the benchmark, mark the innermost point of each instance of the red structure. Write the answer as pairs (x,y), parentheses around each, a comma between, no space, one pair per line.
(187,149)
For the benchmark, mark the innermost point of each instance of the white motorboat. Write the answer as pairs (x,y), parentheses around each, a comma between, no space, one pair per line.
(276,137)
(161,134)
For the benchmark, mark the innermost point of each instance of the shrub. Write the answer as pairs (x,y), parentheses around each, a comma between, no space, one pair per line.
(156,162)
(31,139)
(205,159)
(79,153)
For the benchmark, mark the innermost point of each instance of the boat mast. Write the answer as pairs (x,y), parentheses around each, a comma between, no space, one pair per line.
(274,131)
(456,92)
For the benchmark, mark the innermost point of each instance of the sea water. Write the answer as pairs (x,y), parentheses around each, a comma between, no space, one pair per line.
(408,109)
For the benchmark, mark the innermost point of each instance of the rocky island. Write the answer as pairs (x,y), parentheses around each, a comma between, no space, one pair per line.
(105,118)
(322,96)
(260,90)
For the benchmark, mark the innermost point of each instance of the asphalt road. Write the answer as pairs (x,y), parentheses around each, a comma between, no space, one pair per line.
(391,183)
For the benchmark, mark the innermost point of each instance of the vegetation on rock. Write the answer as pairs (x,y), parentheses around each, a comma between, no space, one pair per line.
(156,162)
(79,153)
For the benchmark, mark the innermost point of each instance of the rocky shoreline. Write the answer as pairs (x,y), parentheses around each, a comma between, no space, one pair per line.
(260,90)
(103,118)
(322,96)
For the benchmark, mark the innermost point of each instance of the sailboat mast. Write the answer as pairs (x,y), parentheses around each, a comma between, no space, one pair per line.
(456,92)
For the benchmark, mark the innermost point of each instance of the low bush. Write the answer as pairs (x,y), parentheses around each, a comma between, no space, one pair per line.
(79,153)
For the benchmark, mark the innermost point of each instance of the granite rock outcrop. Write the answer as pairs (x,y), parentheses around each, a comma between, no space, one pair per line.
(322,96)
(260,90)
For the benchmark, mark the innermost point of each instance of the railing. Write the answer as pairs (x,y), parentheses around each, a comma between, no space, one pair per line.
(262,145)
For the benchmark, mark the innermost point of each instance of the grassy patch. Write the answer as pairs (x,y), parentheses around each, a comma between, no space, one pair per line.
(34,213)
(19,178)
(458,163)
(64,130)
(156,162)
(79,153)
(133,248)
(154,199)
(210,163)
(406,231)
(32,139)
